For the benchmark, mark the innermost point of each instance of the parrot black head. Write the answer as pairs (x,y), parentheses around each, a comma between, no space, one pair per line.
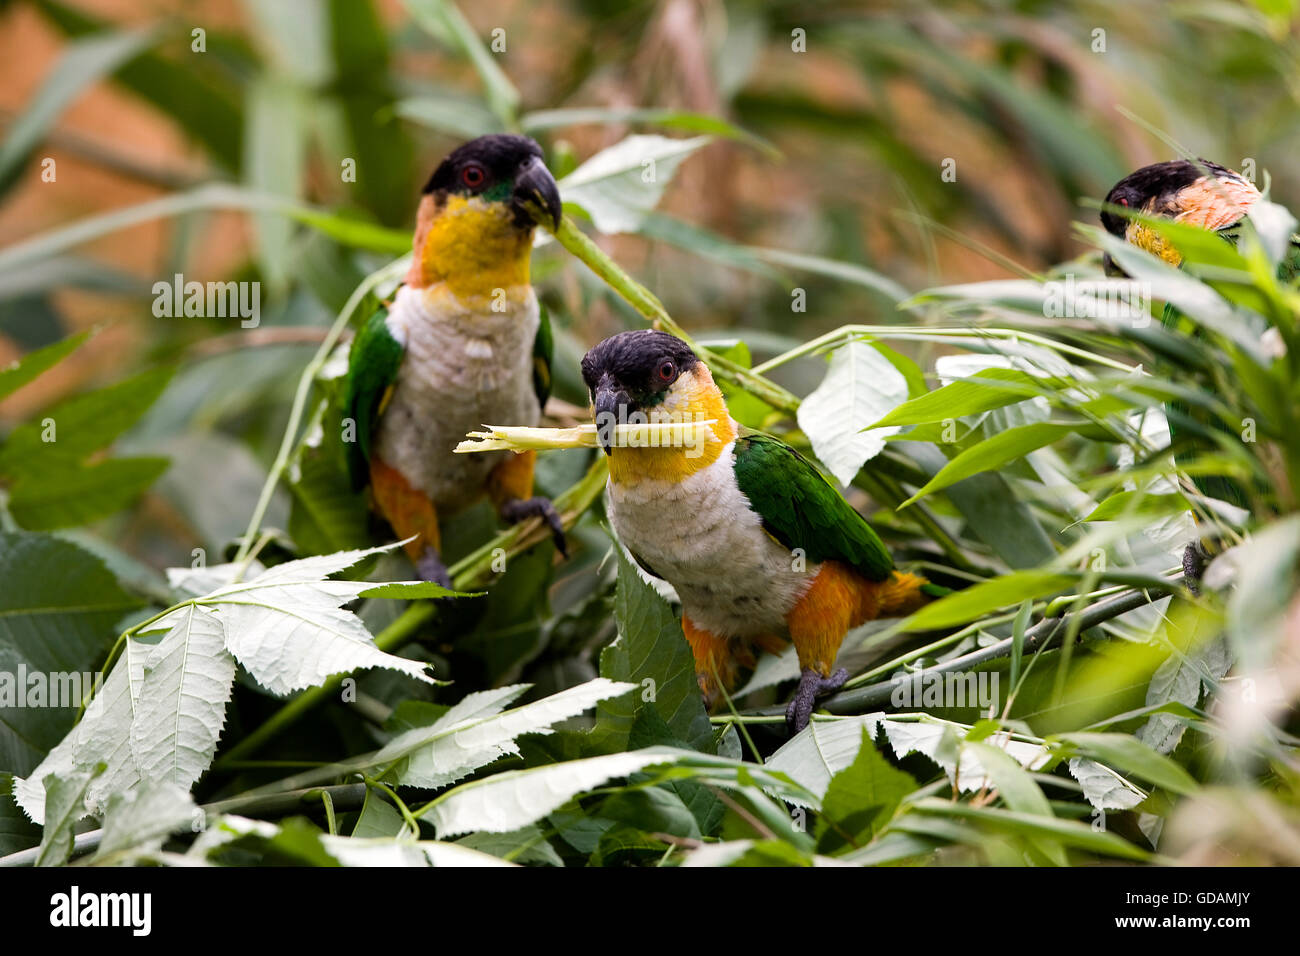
(1200,192)
(636,372)
(474,228)
(502,167)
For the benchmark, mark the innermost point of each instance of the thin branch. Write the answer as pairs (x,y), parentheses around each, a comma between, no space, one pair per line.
(861,700)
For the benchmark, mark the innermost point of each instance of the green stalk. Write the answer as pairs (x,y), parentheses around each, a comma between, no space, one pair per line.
(305,383)
(846,332)
(644,301)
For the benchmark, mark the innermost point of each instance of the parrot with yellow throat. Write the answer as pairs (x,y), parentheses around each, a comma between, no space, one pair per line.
(1213,197)
(462,343)
(760,548)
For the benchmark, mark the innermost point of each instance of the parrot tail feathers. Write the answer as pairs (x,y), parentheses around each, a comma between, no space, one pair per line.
(901,594)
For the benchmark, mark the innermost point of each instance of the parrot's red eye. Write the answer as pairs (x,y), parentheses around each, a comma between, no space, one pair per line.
(667,370)
(473,175)
(1123,202)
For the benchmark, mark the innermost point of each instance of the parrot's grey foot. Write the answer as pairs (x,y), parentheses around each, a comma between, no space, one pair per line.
(517,509)
(811,686)
(1194,560)
(431,568)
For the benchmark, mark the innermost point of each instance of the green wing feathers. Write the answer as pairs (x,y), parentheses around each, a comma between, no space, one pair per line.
(543,355)
(801,509)
(372,370)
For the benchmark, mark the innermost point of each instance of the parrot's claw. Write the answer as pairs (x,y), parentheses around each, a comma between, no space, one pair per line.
(811,686)
(517,509)
(1194,559)
(431,568)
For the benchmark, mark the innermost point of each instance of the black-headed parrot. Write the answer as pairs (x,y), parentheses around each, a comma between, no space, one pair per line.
(463,343)
(1199,193)
(761,549)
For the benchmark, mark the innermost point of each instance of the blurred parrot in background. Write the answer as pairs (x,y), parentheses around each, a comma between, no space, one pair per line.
(1205,194)
(462,343)
(761,549)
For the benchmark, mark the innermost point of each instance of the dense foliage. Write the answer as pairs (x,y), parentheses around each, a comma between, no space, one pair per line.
(266,698)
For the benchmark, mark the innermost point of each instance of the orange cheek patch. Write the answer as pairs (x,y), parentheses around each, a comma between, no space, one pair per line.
(424,217)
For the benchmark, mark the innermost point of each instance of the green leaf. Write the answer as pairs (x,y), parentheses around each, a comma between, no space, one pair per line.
(385,153)
(744,407)
(651,731)
(992,511)
(378,817)
(748,853)
(824,748)
(976,601)
(327,515)
(993,453)
(1178,681)
(295,36)
(982,392)
(442,19)
(861,799)
(860,386)
(526,846)
(138,820)
(415,590)
(1018,789)
(652,810)
(181,702)
(65,804)
(24,255)
(451,114)
(1018,640)
(57,611)
(651,651)
(81,425)
(275,150)
(1129,754)
(16,831)
(1032,825)
(82,64)
(288,628)
(1133,503)
(82,493)
(21,371)
(475,732)
(618,186)
(682,120)
(518,798)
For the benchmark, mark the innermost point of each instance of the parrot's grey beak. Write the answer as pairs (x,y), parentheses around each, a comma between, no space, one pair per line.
(611,405)
(535,191)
